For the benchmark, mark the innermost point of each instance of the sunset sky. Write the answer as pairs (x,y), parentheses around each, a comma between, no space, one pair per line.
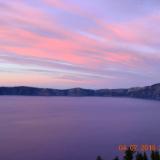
(79,43)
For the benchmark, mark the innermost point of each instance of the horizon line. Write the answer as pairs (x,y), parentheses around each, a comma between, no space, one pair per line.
(75,87)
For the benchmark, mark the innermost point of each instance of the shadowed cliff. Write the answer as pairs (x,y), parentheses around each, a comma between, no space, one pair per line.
(148,92)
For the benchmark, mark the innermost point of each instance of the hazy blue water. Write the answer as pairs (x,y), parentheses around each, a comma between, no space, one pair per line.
(62,128)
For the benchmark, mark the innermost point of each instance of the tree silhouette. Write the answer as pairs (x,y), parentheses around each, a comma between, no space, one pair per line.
(99,158)
(153,155)
(139,156)
(145,156)
(128,154)
(157,156)
(116,158)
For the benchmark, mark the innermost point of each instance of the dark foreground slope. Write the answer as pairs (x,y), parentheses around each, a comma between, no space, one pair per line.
(148,92)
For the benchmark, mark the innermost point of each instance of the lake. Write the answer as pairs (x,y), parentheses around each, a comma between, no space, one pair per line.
(74,128)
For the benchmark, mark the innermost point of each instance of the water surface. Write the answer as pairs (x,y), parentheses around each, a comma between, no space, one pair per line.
(74,128)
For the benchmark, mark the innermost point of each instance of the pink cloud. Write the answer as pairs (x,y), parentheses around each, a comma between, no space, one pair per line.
(97,48)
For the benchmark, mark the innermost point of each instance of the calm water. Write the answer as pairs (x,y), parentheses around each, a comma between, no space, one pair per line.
(51,128)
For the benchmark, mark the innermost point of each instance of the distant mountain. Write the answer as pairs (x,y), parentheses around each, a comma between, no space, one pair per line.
(148,92)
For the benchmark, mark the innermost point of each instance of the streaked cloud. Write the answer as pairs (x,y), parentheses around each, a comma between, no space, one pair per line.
(65,44)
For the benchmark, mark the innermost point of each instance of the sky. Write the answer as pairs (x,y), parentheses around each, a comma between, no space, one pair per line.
(79,43)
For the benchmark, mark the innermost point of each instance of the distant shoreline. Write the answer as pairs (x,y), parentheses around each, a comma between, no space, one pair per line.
(147,92)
